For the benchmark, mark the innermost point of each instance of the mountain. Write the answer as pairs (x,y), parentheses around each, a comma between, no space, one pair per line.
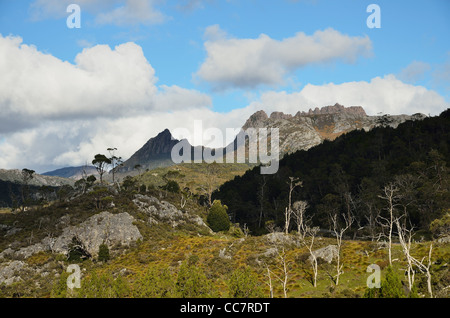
(308,129)
(11,184)
(75,173)
(299,132)
(348,174)
(15,176)
(156,153)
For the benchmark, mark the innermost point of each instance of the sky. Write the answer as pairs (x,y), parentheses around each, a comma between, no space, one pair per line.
(132,68)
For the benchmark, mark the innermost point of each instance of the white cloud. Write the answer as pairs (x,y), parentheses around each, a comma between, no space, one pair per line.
(382,94)
(55,113)
(247,63)
(118,12)
(103,82)
(54,144)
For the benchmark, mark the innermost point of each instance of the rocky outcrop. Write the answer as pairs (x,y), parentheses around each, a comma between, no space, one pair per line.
(105,227)
(165,212)
(336,108)
(328,253)
(9,270)
(308,129)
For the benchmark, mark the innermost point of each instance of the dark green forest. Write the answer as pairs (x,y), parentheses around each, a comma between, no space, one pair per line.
(348,175)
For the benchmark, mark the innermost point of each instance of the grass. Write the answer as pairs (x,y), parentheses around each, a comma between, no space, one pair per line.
(193,175)
(165,247)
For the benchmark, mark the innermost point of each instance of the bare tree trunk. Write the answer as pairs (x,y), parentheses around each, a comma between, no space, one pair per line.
(293,183)
(311,232)
(391,197)
(339,233)
(270,282)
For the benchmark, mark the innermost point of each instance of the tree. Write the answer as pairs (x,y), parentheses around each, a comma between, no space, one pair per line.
(27,175)
(212,169)
(77,251)
(339,233)
(391,196)
(293,183)
(262,184)
(391,287)
(299,208)
(405,237)
(101,162)
(115,161)
(310,233)
(217,218)
(284,269)
(103,253)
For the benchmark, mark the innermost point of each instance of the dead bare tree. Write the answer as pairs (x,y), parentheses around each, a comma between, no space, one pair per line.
(391,196)
(405,238)
(283,268)
(269,276)
(261,198)
(299,208)
(339,231)
(426,269)
(293,183)
(308,242)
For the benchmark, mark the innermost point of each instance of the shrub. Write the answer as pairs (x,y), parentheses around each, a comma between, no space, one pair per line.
(192,282)
(244,284)
(103,253)
(391,287)
(155,283)
(217,218)
(172,186)
(77,251)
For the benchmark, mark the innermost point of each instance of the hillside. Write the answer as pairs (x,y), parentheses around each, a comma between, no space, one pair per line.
(160,245)
(348,174)
(75,173)
(158,241)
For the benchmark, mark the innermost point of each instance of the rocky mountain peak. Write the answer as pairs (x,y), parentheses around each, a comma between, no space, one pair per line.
(336,108)
(256,120)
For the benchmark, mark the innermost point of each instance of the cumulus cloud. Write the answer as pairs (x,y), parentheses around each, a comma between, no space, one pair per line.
(55,113)
(103,82)
(247,63)
(118,12)
(77,141)
(381,94)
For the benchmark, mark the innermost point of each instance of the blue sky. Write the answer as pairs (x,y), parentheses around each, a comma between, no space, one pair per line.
(278,59)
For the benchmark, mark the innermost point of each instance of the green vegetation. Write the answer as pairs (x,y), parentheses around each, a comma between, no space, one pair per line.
(348,175)
(218,218)
(185,259)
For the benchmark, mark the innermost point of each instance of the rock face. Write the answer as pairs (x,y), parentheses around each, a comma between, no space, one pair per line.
(162,211)
(8,272)
(154,153)
(308,129)
(100,228)
(327,253)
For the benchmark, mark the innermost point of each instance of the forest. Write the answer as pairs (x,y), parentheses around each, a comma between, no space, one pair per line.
(350,177)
